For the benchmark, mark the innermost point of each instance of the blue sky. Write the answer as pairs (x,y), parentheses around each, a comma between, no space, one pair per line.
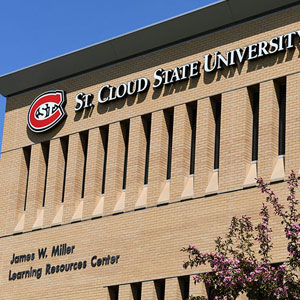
(33,31)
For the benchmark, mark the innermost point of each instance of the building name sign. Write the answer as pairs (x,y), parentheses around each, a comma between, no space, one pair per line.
(212,63)
(250,52)
(50,269)
(161,77)
(46,111)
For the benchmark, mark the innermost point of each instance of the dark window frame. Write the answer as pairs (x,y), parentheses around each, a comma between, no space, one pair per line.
(254,101)
(169,118)
(136,289)
(125,127)
(147,121)
(113,292)
(216,103)
(84,138)
(160,287)
(46,152)
(184,285)
(281,96)
(104,132)
(64,142)
(192,113)
(27,157)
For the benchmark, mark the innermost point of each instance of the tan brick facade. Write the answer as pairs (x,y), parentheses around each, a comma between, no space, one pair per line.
(144,226)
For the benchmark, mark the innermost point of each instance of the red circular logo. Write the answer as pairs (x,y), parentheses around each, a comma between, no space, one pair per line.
(46,111)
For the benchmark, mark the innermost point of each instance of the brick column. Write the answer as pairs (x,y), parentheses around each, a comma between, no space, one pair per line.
(205,137)
(114,170)
(125,292)
(292,152)
(268,129)
(172,289)
(236,138)
(35,186)
(158,156)
(148,291)
(55,179)
(74,177)
(181,151)
(94,172)
(136,161)
(198,289)
(15,181)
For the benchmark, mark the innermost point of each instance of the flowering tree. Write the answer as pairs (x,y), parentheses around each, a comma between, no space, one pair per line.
(237,269)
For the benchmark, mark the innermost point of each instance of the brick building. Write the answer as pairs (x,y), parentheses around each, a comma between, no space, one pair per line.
(116,156)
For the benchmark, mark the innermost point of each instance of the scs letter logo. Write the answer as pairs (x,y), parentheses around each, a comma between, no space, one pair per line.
(46,111)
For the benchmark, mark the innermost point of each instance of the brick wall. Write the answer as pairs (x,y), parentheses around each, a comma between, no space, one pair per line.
(146,225)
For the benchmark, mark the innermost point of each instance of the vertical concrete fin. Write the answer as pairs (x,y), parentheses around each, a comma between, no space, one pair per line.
(188,190)
(142,199)
(59,215)
(251,174)
(164,195)
(120,205)
(20,225)
(78,211)
(213,183)
(278,168)
(39,219)
(98,211)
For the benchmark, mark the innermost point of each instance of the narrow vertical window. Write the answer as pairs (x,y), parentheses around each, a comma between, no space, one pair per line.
(211,293)
(254,98)
(84,144)
(160,288)
(136,289)
(282,118)
(125,132)
(113,292)
(184,284)
(64,141)
(27,154)
(45,149)
(147,129)
(193,120)
(216,105)
(104,137)
(169,117)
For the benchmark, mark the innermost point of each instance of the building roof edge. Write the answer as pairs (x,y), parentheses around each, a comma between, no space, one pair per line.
(200,21)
